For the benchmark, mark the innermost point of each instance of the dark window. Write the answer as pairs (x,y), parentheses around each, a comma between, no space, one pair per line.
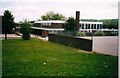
(97,26)
(82,26)
(88,26)
(92,26)
(85,26)
(100,26)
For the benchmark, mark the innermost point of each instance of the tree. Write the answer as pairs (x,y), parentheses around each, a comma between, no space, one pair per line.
(110,23)
(70,24)
(70,27)
(52,16)
(7,23)
(25,30)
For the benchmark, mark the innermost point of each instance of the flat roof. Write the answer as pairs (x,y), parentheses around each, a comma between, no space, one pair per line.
(57,29)
(60,21)
(50,21)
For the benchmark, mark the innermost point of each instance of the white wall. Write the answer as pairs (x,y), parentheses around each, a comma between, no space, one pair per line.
(106,45)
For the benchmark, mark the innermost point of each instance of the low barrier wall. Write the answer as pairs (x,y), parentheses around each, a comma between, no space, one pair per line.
(80,43)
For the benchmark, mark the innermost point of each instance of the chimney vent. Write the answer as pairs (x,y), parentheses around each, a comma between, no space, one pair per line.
(77,19)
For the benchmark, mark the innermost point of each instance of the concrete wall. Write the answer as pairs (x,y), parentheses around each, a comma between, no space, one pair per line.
(80,43)
(106,45)
(99,44)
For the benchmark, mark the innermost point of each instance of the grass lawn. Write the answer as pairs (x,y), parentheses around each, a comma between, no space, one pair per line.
(38,58)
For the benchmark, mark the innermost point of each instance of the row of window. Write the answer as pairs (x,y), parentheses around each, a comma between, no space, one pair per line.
(52,31)
(46,24)
(93,26)
(83,26)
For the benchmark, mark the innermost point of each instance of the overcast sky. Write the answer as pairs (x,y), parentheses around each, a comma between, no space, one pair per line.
(33,9)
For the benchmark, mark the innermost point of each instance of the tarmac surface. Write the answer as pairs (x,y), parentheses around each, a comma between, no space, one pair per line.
(9,36)
(14,36)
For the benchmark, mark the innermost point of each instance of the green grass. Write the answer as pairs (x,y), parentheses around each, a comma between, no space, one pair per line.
(38,58)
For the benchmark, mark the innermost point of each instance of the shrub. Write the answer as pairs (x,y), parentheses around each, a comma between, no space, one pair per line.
(89,33)
(113,34)
(26,36)
(99,33)
(25,30)
(81,34)
(68,33)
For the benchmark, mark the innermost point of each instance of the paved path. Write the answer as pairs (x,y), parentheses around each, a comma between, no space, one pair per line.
(39,37)
(14,36)
(9,36)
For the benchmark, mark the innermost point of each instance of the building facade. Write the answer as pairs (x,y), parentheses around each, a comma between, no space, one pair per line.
(90,26)
(43,28)
(49,24)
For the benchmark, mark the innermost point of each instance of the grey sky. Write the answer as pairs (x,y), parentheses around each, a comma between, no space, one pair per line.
(33,9)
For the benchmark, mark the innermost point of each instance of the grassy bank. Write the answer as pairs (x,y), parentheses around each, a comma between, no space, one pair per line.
(38,58)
